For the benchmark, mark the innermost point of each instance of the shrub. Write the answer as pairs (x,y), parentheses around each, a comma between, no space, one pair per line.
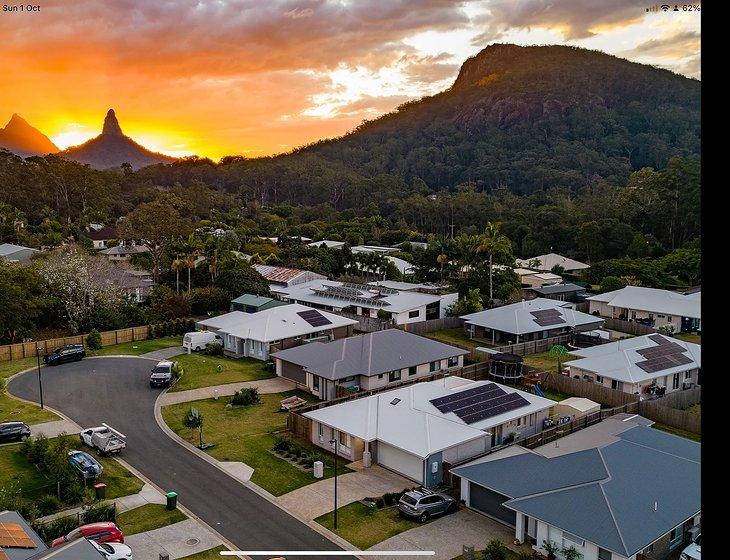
(93,340)
(177,370)
(388,499)
(56,528)
(48,504)
(99,512)
(380,503)
(282,444)
(214,349)
(495,550)
(297,451)
(246,397)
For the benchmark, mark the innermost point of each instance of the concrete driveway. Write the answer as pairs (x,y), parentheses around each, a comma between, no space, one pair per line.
(313,500)
(116,390)
(446,535)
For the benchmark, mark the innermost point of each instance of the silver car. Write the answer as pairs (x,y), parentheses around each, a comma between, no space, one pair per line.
(422,504)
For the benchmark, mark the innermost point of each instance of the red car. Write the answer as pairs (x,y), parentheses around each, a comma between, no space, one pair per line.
(104,531)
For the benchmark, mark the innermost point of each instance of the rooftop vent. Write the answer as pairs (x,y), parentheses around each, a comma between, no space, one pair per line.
(395,401)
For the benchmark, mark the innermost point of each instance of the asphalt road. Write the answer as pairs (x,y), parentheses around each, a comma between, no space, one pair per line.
(116,391)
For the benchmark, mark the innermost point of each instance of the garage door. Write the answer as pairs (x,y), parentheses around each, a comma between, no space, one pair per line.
(490,502)
(293,372)
(401,462)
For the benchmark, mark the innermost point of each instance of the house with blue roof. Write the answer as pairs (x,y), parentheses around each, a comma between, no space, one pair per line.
(618,490)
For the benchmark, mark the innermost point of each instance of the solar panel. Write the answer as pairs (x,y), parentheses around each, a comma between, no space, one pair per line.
(666,354)
(480,402)
(12,535)
(547,317)
(314,318)
(450,403)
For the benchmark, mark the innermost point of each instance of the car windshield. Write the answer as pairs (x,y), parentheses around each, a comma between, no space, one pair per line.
(409,499)
(697,540)
(161,369)
(106,547)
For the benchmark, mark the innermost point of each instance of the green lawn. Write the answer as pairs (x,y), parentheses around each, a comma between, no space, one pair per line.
(677,432)
(455,336)
(689,337)
(16,472)
(545,362)
(140,347)
(245,434)
(200,370)
(366,526)
(13,409)
(210,554)
(148,517)
(119,481)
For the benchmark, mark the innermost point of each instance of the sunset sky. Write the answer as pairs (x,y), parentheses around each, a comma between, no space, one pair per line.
(220,77)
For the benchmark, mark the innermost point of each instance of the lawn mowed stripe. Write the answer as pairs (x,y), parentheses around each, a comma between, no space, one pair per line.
(147,518)
(245,434)
(140,346)
(201,370)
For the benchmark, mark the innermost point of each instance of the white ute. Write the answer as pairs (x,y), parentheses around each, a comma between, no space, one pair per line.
(199,340)
(104,438)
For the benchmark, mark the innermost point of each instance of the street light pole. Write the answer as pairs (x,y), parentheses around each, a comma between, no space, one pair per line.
(334,442)
(40,379)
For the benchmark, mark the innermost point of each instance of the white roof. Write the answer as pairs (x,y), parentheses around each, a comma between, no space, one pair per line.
(617,360)
(10,248)
(547,262)
(517,318)
(402,265)
(580,404)
(403,286)
(414,424)
(373,249)
(394,301)
(327,243)
(272,324)
(652,300)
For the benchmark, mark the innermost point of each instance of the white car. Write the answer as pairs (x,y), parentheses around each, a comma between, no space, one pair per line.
(692,552)
(199,340)
(86,434)
(113,550)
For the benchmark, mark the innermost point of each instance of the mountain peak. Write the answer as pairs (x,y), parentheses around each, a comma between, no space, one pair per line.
(16,120)
(21,138)
(111,125)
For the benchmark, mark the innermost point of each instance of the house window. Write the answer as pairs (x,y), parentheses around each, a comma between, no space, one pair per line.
(321,431)
(675,537)
(669,318)
(453,361)
(687,374)
(599,379)
(413,370)
(394,376)
(414,314)
(617,385)
(675,381)
(433,366)
(603,554)
(572,540)
(315,382)
(344,439)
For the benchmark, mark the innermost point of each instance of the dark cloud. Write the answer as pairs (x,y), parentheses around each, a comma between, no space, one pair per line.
(575,20)
(676,46)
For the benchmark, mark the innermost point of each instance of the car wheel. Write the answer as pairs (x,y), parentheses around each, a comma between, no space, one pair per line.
(24,437)
(451,508)
(424,517)
(197,348)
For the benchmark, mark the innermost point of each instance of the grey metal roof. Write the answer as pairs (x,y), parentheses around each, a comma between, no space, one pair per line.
(368,354)
(558,289)
(79,549)
(21,553)
(651,485)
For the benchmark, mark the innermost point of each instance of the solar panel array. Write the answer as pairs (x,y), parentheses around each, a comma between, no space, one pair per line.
(665,355)
(480,403)
(314,318)
(547,317)
(12,535)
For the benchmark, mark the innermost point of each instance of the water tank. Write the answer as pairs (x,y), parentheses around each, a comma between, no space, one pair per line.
(318,469)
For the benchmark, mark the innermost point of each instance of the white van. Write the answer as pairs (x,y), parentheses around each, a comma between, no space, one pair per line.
(199,340)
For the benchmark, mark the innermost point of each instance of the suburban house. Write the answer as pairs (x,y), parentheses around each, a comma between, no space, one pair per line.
(256,335)
(27,543)
(282,277)
(617,490)
(368,361)
(123,252)
(249,303)
(16,253)
(651,306)
(562,292)
(101,236)
(547,262)
(373,249)
(328,243)
(644,365)
(135,284)
(528,320)
(367,300)
(414,429)
(534,279)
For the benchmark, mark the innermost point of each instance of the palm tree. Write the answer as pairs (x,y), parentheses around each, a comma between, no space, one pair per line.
(491,242)
(177,265)
(442,259)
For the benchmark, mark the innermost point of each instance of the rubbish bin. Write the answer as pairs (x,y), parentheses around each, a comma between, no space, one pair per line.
(171,500)
(100,490)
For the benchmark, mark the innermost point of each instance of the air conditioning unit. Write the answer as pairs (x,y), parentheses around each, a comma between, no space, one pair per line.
(693,532)
(688,384)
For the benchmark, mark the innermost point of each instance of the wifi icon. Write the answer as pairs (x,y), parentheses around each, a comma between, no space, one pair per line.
(665,7)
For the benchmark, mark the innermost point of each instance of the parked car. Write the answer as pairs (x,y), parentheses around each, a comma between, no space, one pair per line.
(693,550)
(422,504)
(113,550)
(104,438)
(161,374)
(63,354)
(14,431)
(199,340)
(85,464)
(101,532)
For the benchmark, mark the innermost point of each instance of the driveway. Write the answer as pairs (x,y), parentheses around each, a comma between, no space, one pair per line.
(446,535)
(116,391)
(313,500)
